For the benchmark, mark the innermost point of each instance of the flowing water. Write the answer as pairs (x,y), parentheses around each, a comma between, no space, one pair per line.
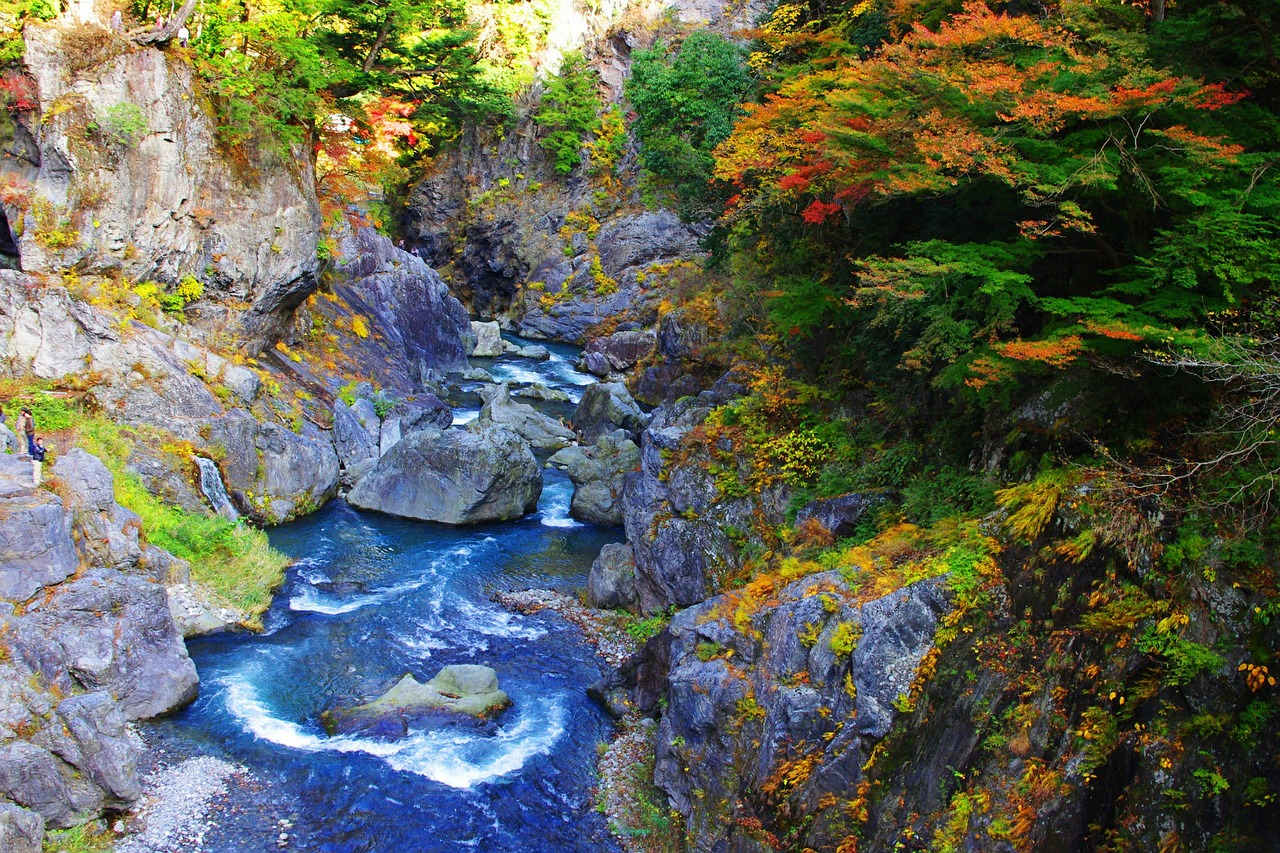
(370,598)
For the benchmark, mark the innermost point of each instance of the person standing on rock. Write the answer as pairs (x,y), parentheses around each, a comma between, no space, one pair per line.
(183,35)
(117,22)
(27,428)
(37,459)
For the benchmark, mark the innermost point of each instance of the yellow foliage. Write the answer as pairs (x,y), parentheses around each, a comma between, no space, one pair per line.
(360,327)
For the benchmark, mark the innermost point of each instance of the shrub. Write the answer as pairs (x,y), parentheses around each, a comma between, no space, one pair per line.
(122,124)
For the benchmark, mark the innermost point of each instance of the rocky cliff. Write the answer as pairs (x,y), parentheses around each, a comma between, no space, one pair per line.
(117,171)
(87,645)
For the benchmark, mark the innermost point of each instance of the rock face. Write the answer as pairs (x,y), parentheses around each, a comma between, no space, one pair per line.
(618,352)
(21,830)
(458,476)
(597,473)
(35,542)
(682,528)
(542,432)
(415,326)
(813,677)
(83,657)
(158,202)
(273,473)
(605,407)
(463,689)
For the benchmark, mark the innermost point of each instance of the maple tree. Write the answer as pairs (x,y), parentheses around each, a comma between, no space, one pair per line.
(1097,201)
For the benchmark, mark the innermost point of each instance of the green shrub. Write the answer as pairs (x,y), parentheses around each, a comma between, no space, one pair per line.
(122,124)
(232,560)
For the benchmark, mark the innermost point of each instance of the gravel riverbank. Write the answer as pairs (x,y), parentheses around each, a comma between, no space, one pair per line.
(178,809)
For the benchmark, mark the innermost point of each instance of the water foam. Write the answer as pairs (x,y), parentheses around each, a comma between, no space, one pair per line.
(457,757)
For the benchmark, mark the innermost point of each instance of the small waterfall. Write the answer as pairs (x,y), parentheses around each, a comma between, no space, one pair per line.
(214,491)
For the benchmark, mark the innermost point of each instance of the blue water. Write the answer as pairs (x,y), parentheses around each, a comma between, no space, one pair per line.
(368,599)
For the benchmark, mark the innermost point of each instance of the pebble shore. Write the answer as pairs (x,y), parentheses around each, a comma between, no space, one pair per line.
(176,813)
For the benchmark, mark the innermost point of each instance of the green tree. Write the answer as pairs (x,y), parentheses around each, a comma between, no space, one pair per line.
(686,104)
(569,112)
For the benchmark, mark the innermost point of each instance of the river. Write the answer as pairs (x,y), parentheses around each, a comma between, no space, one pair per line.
(369,598)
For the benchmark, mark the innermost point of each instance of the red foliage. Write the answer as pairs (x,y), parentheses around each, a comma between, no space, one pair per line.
(794,181)
(819,212)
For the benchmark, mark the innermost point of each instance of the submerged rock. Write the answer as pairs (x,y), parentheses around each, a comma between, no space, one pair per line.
(463,689)
(458,476)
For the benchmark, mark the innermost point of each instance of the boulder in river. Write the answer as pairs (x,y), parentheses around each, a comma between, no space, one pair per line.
(607,406)
(465,689)
(458,476)
(543,432)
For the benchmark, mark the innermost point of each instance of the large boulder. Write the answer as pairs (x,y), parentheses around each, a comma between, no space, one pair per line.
(605,407)
(456,476)
(612,581)
(273,473)
(113,632)
(839,515)
(461,689)
(543,432)
(597,473)
(489,343)
(618,352)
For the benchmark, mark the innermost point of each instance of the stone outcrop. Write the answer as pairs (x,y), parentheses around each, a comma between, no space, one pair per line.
(415,328)
(83,657)
(462,689)
(151,196)
(458,476)
(542,432)
(273,473)
(810,675)
(614,354)
(597,473)
(605,407)
(36,548)
(685,533)
(839,515)
(488,339)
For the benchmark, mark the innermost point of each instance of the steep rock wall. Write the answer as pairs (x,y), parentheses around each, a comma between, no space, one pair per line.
(118,170)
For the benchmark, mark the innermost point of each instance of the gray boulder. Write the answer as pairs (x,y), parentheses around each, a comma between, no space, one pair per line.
(463,689)
(357,452)
(541,392)
(840,514)
(21,830)
(612,582)
(36,549)
(489,343)
(597,473)
(114,632)
(537,352)
(458,476)
(8,444)
(617,352)
(273,473)
(542,432)
(604,407)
